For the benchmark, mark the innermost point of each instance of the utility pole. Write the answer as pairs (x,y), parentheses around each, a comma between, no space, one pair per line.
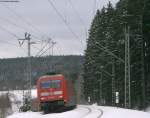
(127,64)
(53,43)
(144,78)
(127,68)
(113,81)
(29,82)
(101,86)
(49,42)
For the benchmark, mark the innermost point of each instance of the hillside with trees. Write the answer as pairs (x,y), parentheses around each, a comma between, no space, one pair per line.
(13,72)
(104,66)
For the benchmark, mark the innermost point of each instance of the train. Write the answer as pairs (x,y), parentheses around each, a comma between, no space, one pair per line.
(55,92)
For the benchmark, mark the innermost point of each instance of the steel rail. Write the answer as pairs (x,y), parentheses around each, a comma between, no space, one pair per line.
(89,111)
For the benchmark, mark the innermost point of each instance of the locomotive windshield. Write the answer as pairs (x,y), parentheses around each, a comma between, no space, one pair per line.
(51,84)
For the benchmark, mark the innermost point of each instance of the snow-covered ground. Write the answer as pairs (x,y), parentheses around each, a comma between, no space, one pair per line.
(82,111)
(16,97)
(85,111)
(148,110)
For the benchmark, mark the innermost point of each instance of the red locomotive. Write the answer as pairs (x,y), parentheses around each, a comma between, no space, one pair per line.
(55,92)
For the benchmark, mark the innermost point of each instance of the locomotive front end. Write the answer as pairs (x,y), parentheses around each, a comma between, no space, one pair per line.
(52,92)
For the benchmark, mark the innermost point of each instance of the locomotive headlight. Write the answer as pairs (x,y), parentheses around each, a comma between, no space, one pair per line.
(42,98)
(58,92)
(60,96)
(45,94)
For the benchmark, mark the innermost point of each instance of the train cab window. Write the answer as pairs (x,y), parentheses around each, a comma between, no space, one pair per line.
(51,84)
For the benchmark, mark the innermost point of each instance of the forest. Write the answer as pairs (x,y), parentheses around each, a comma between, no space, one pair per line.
(105,56)
(14,71)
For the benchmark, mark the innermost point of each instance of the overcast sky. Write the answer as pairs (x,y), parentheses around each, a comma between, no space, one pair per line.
(39,18)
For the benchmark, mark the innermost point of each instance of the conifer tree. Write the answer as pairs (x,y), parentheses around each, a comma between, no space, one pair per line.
(146,35)
(107,30)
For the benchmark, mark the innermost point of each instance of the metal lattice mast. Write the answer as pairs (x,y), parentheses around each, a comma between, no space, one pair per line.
(29,64)
(29,85)
(53,43)
(101,86)
(127,68)
(113,82)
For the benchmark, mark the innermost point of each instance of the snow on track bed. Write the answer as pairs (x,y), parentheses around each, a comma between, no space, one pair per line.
(95,112)
(86,114)
(101,113)
(87,111)
(81,111)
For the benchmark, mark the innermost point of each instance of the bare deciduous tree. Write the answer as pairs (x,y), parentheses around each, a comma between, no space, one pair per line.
(5,105)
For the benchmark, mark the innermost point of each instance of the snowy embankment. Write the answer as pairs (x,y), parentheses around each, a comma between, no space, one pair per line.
(148,110)
(82,111)
(111,112)
(16,97)
(87,111)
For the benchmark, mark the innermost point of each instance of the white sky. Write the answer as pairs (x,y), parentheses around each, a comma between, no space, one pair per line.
(39,19)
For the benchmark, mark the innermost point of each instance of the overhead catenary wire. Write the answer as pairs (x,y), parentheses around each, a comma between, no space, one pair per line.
(42,49)
(12,34)
(9,32)
(78,15)
(48,49)
(36,47)
(45,51)
(16,25)
(94,6)
(9,0)
(65,22)
(24,20)
(58,49)
(12,44)
(6,42)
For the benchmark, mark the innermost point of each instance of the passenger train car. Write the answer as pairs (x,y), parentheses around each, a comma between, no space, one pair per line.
(55,92)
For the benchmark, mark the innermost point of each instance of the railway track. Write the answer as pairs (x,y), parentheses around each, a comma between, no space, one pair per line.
(86,114)
(90,112)
(100,113)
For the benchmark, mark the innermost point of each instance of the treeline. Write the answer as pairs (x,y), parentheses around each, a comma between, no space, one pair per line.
(104,72)
(14,72)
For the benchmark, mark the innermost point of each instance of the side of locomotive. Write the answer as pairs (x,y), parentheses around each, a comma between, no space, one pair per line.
(55,92)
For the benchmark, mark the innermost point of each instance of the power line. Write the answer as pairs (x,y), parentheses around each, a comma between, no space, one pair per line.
(3,29)
(35,47)
(94,6)
(42,49)
(24,20)
(18,26)
(78,15)
(53,43)
(109,52)
(6,42)
(45,51)
(9,32)
(12,34)
(66,23)
(59,49)
(9,1)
